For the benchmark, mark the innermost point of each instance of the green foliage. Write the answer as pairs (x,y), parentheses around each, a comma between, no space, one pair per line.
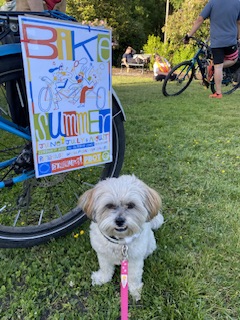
(182,53)
(155,45)
(137,22)
(131,21)
(125,26)
(181,21)
(176,3)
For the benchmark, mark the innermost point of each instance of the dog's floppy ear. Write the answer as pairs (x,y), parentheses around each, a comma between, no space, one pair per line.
(86,203)
(153,202)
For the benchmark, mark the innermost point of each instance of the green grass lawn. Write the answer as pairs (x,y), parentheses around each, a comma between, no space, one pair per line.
(188,149)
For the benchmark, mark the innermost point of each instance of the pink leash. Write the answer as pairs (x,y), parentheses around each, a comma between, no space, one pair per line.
(124,284)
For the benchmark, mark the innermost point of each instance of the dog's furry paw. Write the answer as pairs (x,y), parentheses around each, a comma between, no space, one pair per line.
(157,221)
(136,292)
(99,278)
(136,295)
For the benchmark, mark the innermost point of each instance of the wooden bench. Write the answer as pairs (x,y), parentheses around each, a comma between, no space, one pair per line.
(143,62)
(134,65)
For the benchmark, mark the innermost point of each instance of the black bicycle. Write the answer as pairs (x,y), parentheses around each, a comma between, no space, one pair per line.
(34,210)
(180,76)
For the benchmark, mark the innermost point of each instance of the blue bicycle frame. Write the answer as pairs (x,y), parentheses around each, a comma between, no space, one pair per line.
(22,133)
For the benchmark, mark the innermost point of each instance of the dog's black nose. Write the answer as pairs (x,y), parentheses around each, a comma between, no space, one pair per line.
(120,221)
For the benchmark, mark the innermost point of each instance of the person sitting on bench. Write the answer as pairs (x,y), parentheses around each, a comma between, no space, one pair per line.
(128,56)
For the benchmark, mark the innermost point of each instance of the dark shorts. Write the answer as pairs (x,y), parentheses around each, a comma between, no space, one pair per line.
(226,53)
(161,77)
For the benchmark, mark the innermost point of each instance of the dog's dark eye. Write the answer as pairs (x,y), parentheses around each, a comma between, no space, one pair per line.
(110,206)
(130,205)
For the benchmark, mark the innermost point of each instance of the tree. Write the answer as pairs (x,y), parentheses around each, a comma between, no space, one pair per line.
(176,3)
(180,22)
(131,21)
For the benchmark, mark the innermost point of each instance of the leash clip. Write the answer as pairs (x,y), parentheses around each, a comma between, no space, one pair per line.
(125,252)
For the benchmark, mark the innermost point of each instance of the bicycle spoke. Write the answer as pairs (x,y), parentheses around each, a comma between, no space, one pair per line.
(40,218)
(16,218)
(1,209)
(58,210)
(178,79)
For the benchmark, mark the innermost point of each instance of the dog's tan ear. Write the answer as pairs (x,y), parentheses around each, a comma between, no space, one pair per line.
(153,202)
(86,203)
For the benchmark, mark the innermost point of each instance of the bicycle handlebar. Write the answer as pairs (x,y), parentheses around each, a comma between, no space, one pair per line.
(200,43)
(9,20)
(13,15)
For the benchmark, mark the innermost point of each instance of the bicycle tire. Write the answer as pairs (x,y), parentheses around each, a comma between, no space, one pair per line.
(20,234)
(178,79)
(228,83)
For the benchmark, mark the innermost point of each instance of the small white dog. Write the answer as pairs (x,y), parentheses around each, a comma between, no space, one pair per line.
(123,211)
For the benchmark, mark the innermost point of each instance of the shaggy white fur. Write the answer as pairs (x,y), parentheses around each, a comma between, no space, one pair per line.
(124,211)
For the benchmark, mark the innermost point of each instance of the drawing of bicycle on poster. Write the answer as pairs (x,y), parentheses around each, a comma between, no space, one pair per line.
(68,79)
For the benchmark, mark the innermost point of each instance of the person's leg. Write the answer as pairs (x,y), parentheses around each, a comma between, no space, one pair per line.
(231,56)
(218,76)
(229,60)
(124,61)
(160,77)
(229,63)
(22,5)
(218,58)
(61,6)
(29,5)
(35,5)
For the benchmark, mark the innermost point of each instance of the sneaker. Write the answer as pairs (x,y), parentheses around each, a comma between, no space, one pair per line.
(216,95)
(210,72)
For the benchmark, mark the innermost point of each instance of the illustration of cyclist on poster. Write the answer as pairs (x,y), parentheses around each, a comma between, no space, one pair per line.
(68,79)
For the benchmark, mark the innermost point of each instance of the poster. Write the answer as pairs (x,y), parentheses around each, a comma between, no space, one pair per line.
(68,78)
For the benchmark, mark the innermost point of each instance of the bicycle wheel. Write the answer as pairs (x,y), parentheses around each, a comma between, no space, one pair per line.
(178,79)
(37,210)
(229,83)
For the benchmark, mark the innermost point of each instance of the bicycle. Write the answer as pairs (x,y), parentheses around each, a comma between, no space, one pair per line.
(33,211)
(180,76)
(48,96)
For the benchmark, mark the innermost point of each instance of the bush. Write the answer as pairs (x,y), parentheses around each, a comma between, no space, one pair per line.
(184,52)
(155,45)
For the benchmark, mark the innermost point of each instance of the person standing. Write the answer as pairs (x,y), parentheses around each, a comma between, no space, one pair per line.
(224,33)
(39,5)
